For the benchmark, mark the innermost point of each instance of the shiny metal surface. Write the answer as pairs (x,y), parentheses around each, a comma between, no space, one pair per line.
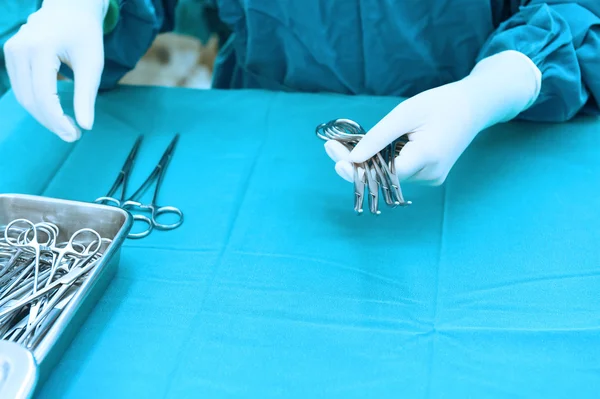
(18,371)
(376,173)
(133,203)
(110,222)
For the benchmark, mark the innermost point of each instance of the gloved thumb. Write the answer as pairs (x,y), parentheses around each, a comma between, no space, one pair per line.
(395,124)
(87,64)
(410,161)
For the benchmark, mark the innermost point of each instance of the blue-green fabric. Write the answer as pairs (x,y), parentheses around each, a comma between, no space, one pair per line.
(200,18)
(487,287)
(391,48)
(112,16)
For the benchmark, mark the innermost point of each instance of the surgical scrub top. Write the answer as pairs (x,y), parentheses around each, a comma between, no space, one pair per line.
(382,47)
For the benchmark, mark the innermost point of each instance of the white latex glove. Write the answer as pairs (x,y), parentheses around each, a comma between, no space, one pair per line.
(442,122)
(61,31)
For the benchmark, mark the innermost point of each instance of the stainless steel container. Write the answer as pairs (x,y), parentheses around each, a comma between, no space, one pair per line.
(18,372)
(70,216)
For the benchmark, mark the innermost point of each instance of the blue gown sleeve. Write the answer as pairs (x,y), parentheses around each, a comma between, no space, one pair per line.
(563,40)
(139,21)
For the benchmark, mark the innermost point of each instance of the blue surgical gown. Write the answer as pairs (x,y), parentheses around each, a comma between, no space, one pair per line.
(384,47)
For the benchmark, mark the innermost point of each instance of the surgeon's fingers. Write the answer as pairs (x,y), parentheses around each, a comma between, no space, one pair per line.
(19,72)
(47,103)
(345,170)
(395,124)
(33,80)
(336,150)
(339,154)
(411,160)
(87,64)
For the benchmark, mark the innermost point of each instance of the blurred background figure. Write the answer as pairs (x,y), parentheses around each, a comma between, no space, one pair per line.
(176,60)
(184,58)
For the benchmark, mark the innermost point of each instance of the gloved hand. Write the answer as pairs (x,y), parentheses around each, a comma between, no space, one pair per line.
(61,31)
(442,122)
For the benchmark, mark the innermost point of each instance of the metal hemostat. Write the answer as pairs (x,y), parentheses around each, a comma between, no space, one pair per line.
(376,174)
(39,276)
(133,204)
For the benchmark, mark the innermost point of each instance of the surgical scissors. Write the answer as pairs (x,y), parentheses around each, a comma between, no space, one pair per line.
(33,297)
(377,172)
(157,176)
(68,279)
(69,250)
(344,133)
(25,242)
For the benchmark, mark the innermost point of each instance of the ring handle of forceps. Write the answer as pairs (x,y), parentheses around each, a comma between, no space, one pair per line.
(141,218)
(155,212)
(23,240)
(136,217)
(108,201)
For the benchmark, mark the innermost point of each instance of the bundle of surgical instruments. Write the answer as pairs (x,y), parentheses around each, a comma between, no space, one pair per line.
(39,276)
(133,204)
(377,173)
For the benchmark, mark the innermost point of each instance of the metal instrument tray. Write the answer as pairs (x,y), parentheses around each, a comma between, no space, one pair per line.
(110,222)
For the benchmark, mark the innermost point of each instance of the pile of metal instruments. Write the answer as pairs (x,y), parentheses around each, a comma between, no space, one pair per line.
(39,276)
(133,203)
(376,174)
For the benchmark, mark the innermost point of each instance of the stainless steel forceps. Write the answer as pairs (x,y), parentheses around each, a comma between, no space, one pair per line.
(376,173)
(157,176)
(121,183)
(42,277)
(133,203)
(122,178)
